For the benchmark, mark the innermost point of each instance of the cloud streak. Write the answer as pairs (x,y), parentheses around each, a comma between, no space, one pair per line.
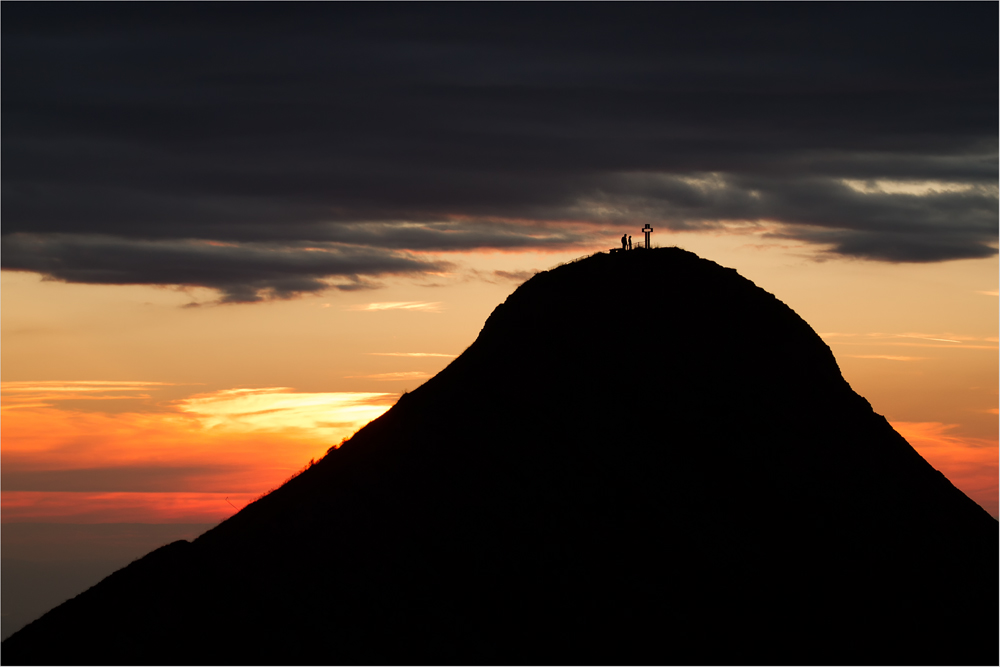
(423,306)
(20,394)
(411,354)
(399,375)
(938,341)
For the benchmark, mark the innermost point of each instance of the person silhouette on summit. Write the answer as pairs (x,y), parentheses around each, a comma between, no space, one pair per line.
(624,241)
(629,242)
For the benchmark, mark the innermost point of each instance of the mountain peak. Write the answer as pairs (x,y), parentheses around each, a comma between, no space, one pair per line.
(643,457)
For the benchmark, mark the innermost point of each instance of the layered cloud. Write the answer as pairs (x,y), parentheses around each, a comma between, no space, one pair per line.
(276,151)
(193,459)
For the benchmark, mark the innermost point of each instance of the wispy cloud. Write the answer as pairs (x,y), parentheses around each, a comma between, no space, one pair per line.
(22,394)
(499,276)
(991,292)
(940,340)
(76,386)
(914,188)
(411,354)
(885,356)
(426,306)
(404,375)
(945,340)
(280,408)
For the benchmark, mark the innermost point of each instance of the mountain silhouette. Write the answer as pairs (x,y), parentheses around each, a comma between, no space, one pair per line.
(643,458)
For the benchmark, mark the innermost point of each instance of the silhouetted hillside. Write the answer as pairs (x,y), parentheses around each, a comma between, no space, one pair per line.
(592,481)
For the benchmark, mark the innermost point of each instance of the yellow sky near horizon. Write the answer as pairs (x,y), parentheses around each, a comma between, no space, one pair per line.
(216,404)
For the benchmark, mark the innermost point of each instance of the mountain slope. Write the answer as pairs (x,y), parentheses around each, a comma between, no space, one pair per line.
(643,458)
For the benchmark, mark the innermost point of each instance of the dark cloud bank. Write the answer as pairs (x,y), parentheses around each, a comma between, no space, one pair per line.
(270,150)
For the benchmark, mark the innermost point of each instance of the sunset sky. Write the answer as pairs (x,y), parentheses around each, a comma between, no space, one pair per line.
(234,234)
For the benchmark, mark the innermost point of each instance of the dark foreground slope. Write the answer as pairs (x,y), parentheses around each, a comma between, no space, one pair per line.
(593,480)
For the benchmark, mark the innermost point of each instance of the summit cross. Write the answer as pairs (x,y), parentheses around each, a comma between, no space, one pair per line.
(647,229)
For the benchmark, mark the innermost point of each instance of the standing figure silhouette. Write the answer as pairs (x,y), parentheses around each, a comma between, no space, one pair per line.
(624,241)
(629,242)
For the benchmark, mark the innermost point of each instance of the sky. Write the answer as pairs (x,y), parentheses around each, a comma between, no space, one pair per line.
(234,234)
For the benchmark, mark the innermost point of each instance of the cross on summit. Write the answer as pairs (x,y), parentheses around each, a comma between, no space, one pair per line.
(627,240)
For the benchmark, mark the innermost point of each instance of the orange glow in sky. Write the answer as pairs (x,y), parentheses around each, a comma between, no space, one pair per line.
(235,399)
(188,460)
(970,463)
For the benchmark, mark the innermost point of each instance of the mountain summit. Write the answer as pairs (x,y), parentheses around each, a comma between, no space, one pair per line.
(643,458)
